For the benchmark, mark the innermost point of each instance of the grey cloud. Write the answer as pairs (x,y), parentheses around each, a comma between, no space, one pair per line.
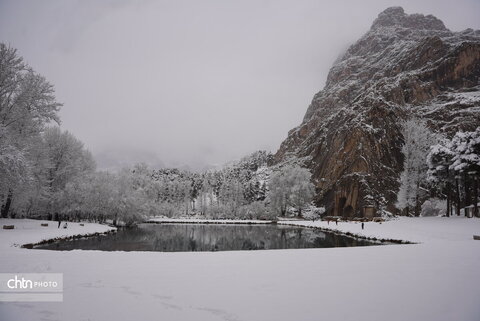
(192,82)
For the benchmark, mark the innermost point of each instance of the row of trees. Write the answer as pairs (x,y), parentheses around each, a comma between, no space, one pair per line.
(123,197)
(437,167)
(47,172)
(135,194)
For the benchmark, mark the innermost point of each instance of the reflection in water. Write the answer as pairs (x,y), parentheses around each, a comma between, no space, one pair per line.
(208,237)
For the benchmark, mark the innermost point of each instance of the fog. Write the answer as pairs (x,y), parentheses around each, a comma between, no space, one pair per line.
(192,83)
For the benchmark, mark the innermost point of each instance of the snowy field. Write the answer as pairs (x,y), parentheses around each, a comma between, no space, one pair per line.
(436,280)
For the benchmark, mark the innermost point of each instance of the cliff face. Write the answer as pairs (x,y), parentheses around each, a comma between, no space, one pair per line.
(350,137)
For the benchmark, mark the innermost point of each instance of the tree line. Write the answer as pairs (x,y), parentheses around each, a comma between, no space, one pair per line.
(48,173)
(437,168)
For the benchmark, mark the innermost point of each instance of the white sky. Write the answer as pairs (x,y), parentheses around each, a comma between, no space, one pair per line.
(192,82)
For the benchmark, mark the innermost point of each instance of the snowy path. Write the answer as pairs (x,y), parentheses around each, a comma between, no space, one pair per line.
(436,280)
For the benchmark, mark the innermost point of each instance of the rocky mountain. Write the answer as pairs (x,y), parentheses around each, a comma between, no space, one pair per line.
(406,65)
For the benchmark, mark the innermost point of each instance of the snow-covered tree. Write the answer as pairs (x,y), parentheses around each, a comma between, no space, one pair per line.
(231,196)
(290,186)
(456,162)
(27,104)
(439,160)
(67,156)
(32,195)
(466,151)
(417,141)
(68,159)
(465,147)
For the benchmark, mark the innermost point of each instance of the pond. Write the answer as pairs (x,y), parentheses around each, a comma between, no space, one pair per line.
(208,237)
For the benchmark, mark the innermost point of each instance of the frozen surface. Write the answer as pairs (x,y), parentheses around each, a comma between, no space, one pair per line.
(435,280)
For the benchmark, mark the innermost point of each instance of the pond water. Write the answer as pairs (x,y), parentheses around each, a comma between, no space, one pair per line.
(208,237)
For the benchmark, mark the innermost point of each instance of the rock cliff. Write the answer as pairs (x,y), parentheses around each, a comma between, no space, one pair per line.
(350,138)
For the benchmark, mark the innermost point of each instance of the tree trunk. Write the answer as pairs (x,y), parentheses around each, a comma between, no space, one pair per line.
(475,196)
(6,206)
(417,201)
(466,184)
(448,199)
(457,197)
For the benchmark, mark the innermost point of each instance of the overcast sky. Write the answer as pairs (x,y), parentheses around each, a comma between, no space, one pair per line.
(192,82)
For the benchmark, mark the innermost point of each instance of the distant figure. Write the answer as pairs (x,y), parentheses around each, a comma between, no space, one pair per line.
(65,225)
(336,221)
(59,221)
(362,225)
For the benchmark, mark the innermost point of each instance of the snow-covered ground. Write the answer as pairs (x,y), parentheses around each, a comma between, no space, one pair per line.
(435,280)
(417,230)
(30,231)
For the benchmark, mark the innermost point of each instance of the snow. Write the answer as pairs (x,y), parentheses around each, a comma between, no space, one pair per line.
(466,98)
(30,231)
(435,280)
(418,230)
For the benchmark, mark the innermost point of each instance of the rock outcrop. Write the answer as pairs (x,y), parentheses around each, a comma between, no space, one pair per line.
(350,137)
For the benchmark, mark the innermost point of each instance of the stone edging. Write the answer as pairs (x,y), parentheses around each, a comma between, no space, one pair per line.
(350,234)
(66,238)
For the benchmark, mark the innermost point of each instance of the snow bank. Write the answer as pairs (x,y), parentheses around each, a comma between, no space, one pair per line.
(30,231)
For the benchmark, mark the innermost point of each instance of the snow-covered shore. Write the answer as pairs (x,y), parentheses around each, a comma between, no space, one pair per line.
(435,280)
(205,221)
(29,231)
(409,229)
